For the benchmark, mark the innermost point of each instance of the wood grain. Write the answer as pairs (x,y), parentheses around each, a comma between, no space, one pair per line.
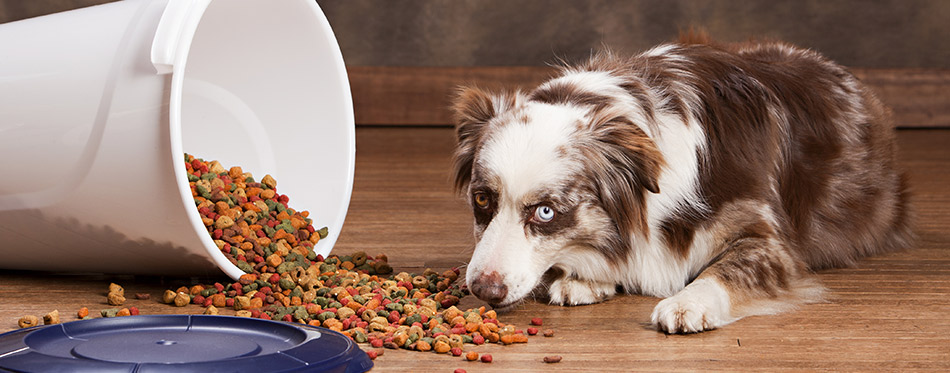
(890,313)
(421,95)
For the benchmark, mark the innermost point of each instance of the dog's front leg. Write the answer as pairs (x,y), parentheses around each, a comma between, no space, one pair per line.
(572,291)
(753,276)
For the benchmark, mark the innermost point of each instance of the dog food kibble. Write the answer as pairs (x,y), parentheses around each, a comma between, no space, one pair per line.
(486,358)
(372,354)
(460,370)
(51,318)
(115,298)
(82,313)
(471,356)
(143,296)
(552,359)
(116,288)
(536,321)
(28,321)
(549,333)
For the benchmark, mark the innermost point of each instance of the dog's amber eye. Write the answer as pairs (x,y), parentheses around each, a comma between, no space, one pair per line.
(481,199)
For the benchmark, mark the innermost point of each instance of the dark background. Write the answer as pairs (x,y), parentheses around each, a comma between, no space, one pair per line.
(876,34)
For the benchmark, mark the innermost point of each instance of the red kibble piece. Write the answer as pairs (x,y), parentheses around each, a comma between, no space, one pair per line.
(208,302)
(486,358)
(478,339)
(346,324)
(241,258)
(344,301)
(320,257)
(275,278)
(311,229)
(393,316)
(198,299)
(258,259)
(217,234)
(283,199)
(362,324)
(352,291)
(456,351)
(532,331)
(229,302)
(217,285)
(255,313)
(372,354)
(376,342)
(265,316)
(460,370)
(134,311)
(536,321)
(457,330)
(288,318)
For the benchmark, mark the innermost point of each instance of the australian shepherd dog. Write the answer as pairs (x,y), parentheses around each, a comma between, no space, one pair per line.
(718,177)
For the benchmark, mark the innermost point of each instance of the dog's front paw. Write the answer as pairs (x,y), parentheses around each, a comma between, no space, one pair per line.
(573,292)
(701,306)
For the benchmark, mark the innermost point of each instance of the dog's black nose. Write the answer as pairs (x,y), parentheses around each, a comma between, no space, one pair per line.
(490,288)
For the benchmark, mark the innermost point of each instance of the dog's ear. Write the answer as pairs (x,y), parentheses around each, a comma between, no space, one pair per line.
(474,108)
(629,165)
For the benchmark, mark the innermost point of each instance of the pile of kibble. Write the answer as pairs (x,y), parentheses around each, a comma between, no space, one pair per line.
(357,295)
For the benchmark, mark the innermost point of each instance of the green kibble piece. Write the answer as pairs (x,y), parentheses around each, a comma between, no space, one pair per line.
(297,292)
(321,301)
(360,337)
(365,268)
(311,255)
(202,191)
(359,298)
(301,313)
(286,266)
(400,293)
(323,316)
(269,231)
(248,180)
(192,178)
(467,338)
(383,313)
(413,338)
(437,329)
(247,268)
(331,260)
(395,307)
(428,340)
(109,312)
(208,176)
(324,268)
(414,319)
(322,292)
(286,283)
(323,232)
(334,305)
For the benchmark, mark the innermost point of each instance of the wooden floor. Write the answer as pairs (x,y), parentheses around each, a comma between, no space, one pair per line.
(890,313)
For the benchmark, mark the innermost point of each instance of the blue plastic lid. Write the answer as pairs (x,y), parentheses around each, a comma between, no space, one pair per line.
(180,343)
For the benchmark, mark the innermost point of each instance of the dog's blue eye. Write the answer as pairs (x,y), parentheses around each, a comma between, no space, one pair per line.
(544,214)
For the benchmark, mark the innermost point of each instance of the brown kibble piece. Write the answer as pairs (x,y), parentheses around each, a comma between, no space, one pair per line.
(471,356)
(552,359)
(441,347)
(243,313)
(143,296)
(28,321)
(182,299)
(83,312)
(115,299)
(116,288)
(549,333)
(51,318)
(269,181)
(169,296)
(211,310)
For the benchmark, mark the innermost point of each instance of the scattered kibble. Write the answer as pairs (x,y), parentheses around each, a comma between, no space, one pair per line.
(552,359)
(51,318)
(116,288)
(82,313)
(471,356)
(460,370)
(124,312)
(536,321)
(134,311)
(532,331)
(143,296)
(549,333)
(28,321)
(211,310)
(486,358)
(456,351)
(115,298)
(372,354)
(181,299)
(109,312)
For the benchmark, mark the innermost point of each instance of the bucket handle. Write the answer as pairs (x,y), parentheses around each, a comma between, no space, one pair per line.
(175,30)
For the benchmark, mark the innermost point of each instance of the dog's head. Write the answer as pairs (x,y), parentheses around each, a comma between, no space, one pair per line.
(557,180)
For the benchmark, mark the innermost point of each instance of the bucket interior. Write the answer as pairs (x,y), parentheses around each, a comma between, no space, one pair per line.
(265,88)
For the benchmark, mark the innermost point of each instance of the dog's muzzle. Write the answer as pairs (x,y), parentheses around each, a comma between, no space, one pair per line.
(490,288)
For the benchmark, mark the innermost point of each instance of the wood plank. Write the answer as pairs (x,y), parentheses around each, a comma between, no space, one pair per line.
(420,95)
(890,312)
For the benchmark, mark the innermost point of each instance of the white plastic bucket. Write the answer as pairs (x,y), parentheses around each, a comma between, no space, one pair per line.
(98,105)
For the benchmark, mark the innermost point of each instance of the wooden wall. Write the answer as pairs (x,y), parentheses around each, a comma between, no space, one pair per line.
(406,56)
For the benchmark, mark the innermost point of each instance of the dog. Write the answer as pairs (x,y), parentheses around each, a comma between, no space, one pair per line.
(717,176)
